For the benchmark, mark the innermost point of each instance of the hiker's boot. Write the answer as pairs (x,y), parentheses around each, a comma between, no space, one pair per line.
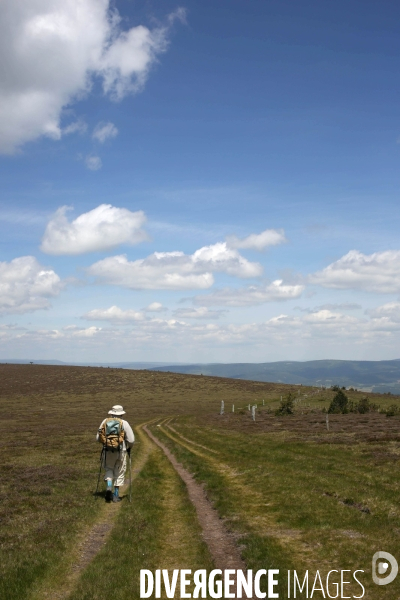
(109,492)
(116,498)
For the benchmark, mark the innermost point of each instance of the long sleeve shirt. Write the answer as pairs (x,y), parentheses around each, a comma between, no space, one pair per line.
(129,435)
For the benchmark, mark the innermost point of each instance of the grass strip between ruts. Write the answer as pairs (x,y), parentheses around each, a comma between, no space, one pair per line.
(258,551)
(289,502)
(159,530)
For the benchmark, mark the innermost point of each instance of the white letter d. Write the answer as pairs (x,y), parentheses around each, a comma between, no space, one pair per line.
(143,574)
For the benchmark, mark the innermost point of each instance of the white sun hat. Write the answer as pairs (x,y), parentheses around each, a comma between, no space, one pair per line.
(116,410)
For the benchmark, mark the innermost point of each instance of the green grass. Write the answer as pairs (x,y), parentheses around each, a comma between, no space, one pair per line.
(45,498)
(293,494)
(133,544)
(299,505)
(158,530)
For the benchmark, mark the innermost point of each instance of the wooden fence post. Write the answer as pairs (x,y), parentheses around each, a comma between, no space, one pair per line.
(253,412)
(222,407)
(327,421)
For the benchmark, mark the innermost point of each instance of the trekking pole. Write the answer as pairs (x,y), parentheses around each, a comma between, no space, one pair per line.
(130,478)
(98,479)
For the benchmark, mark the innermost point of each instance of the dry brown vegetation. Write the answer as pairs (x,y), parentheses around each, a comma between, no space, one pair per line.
(311,426)
(49,458)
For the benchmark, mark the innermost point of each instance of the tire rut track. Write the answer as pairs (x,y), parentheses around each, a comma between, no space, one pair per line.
(220,542)
(168,424)
(290,538)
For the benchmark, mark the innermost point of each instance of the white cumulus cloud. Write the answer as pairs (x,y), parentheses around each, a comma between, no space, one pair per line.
(104,131)
(258,241)
(202,312)
(93,162)
(102,228)
(389,311)
(155,307)
(25,285)
(328,317)
(89,332)
(50,53)
(378,272)
(279,337)
(219,257)
(152,273)
(251,295)
(78,126)
(113,314)
(329,306)
(174,270)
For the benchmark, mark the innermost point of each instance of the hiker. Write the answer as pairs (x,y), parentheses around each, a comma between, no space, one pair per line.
(117,438)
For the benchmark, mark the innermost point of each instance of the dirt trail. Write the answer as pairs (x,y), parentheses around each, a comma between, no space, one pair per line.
(168,424)
(289,538)
(93,540)
(221,544)
(97,537)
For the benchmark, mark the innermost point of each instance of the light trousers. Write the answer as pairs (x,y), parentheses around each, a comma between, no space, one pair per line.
(114,464)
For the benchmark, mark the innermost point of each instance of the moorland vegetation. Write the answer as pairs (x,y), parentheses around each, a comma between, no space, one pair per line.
(293,492)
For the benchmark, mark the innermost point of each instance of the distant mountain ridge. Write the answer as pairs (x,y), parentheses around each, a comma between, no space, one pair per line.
(115,365)
(378,376)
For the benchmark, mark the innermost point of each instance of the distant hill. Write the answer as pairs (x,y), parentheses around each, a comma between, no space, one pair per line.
(378,376)
(23,361)
(117,365)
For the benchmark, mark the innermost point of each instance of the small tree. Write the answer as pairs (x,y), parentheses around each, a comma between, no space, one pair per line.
(365,405)
(339,404)
(392,410)
(286,406)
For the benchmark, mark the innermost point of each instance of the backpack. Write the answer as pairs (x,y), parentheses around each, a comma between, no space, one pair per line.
(112,434)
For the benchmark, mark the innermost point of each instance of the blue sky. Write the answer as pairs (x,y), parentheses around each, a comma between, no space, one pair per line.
(259,140)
